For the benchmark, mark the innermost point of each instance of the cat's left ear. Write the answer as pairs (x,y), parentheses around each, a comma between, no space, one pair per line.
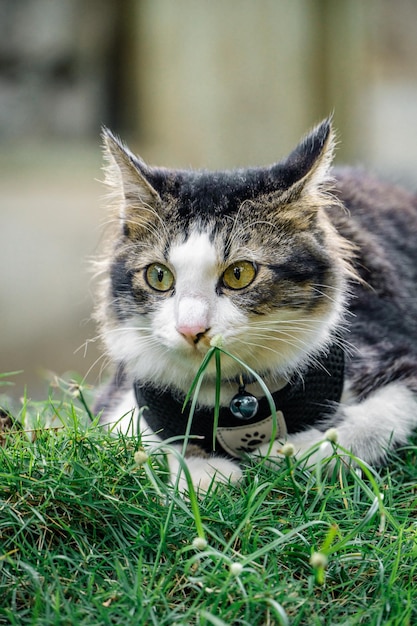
(125,175)
(306,169)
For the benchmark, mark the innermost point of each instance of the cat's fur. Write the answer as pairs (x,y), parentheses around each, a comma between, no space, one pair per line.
(335,255)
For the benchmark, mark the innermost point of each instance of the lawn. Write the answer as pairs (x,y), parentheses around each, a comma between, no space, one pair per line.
(92,533)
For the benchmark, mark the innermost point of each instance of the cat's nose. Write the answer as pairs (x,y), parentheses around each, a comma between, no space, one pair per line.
(192,334)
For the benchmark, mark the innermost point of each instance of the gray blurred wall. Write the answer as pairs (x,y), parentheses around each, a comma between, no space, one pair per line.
(186,83)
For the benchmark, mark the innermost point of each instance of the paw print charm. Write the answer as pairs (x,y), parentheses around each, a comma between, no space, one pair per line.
(251,441)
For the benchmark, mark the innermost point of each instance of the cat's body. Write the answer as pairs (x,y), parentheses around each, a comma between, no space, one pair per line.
(280,265)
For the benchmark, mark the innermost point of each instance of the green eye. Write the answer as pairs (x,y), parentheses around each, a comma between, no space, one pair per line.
(239,275)
(159,277)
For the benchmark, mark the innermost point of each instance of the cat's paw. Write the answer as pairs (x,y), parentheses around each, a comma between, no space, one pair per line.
(204,472)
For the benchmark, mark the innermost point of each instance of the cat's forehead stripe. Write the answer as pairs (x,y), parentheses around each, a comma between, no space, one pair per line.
(197,251)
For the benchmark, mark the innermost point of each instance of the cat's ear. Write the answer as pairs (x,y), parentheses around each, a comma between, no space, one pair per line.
(126,177)
(306,169)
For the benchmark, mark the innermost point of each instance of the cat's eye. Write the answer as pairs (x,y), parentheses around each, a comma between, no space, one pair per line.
(239,275)
(159,277)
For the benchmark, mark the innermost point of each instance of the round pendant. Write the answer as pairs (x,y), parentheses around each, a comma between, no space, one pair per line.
(243,405)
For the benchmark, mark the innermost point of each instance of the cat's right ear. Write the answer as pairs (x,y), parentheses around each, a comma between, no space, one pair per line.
(126,178)
(306,170)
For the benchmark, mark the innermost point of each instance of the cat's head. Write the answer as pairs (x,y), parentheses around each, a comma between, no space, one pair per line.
(248,256)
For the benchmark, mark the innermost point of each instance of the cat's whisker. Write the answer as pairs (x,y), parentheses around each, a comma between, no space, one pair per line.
(301,324)
(283,330)
(84,346)
(267,348)
(104,365)
(328,287)
(345,345)
(337,339)
(104,361)
(256,360)
(111,221)
(272,330)
(150,226)
(288,340)
(274,322)
(312,360)
(235,237)
(298,343)
(125,329)
(148,340)
(324,295)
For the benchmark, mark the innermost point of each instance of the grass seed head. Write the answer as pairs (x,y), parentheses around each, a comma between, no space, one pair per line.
(141,457)
(236,569)
(216,341)
(199,543)
(332,435)
(318,560)
(288,449)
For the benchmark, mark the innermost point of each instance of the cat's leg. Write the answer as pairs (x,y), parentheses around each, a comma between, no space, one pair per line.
(122,414)
(123,417)
(369,429)
(204,469)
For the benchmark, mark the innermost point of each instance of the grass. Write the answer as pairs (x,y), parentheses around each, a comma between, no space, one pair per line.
(92,533)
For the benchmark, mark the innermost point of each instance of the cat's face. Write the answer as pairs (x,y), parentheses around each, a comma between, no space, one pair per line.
(247,259)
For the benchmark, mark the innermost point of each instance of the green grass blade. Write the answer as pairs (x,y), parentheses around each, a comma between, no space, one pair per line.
(200,372)
(217,356)
(266,391)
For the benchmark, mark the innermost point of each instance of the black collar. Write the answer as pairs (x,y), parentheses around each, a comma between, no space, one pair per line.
(309,397)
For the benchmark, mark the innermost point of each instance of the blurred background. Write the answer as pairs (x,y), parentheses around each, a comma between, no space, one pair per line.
(202,84)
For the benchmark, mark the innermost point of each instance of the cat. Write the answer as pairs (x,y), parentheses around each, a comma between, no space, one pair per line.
(304,272)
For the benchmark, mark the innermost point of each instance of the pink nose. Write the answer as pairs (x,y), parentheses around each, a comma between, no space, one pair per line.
(192,334)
